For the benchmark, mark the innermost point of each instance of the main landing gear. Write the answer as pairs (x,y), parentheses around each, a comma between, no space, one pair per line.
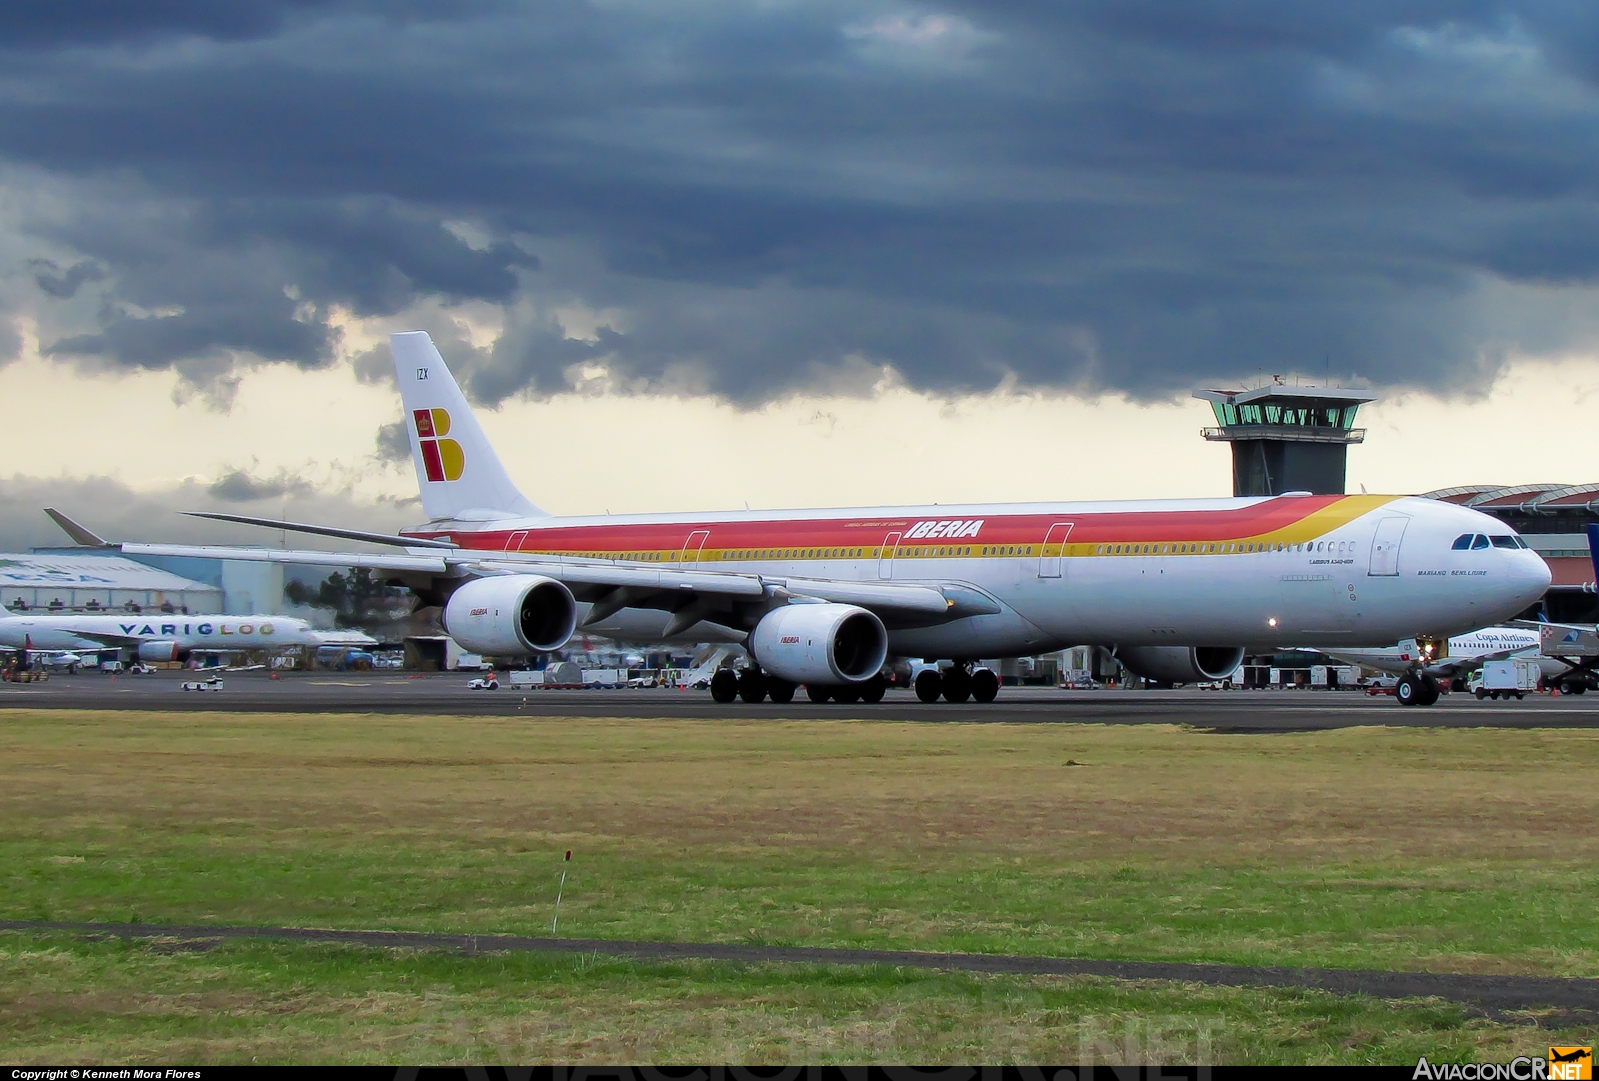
(957,683)
(960,682)
(1417,689)
(752,685)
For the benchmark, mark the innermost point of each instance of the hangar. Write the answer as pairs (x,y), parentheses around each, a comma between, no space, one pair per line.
(90,583)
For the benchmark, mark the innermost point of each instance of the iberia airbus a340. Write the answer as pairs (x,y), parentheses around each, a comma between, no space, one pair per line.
(824,598)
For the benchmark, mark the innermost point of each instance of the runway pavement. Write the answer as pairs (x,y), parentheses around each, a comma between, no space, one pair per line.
(447,694)
(1575,1001)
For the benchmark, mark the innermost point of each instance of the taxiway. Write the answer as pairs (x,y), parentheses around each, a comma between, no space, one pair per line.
(448,694)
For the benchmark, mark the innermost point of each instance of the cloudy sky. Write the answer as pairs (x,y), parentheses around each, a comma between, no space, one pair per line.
(696,255)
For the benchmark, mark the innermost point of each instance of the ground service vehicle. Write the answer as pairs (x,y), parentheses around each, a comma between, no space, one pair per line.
(1504,679)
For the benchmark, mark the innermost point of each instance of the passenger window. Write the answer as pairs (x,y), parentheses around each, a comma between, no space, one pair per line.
(1504,542)
(1479,542)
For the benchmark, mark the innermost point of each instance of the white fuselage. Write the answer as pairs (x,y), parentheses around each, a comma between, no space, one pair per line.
(190,633)
(1286,571)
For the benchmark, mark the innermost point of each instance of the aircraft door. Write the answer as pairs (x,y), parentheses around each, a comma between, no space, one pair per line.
(1385,547)
(885,560)
(513,543)
(1054,546)
(691,547)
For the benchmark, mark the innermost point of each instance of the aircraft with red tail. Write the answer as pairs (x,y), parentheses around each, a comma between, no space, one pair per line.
(1179,588)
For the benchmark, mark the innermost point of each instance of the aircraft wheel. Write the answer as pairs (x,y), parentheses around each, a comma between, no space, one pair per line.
(1429,690)
(846,694)
(872,690)
(816,692)
(985,686)
(1408,690)
(929,685)
(780,691)
(957,685)
(751,686)
(724,685)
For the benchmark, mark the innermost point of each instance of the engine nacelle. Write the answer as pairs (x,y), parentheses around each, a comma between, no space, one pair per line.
(511,615)
(159,652)
(820,643)
(1181,664)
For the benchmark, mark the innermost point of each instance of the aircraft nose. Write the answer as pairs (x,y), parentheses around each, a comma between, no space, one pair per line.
(1530,577)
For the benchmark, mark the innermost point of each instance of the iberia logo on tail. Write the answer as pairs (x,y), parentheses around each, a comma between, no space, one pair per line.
(442,458)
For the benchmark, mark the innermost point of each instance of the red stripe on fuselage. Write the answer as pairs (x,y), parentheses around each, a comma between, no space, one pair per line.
(1092,527)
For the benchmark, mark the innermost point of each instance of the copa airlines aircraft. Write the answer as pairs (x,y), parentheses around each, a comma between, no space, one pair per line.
(167,637)
(1180,588)
(1465,653)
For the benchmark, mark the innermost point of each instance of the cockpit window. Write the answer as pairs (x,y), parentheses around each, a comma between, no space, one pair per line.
(1462,543)
(1479,542)
(1505,542)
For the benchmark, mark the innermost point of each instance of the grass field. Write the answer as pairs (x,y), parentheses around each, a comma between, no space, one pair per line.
(1449,850)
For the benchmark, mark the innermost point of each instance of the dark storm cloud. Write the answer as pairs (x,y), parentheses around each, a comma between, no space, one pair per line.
(64,285)
(240,486)
(1129,194)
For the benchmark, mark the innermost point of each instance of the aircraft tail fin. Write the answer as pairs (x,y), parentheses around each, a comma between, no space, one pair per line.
(1593,548)
(459,474)
(79,535)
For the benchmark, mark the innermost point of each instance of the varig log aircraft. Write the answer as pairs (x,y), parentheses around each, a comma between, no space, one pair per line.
(1179,588)
(155,638)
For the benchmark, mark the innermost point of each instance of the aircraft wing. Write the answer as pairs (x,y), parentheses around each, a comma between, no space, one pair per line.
(1449,668)
(110,641)
(307,557)
(612,585)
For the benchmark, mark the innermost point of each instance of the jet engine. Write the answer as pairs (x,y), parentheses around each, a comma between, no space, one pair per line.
(511,615)
(820,643)
(1181,664)
(159,652)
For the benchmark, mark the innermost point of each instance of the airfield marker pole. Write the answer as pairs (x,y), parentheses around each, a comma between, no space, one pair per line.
(559,890)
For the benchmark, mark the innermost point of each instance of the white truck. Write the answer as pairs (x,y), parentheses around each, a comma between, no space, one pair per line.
(1504,679)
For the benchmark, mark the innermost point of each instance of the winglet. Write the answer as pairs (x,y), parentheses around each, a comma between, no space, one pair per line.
(72,529)
(457,470)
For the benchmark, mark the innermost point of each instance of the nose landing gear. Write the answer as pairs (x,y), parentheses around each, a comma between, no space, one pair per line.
(1417,689)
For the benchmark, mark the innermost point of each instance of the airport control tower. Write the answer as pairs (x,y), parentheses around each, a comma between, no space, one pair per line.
(1287,439)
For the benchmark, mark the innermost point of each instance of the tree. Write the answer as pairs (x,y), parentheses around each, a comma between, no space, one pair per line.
(357,600)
